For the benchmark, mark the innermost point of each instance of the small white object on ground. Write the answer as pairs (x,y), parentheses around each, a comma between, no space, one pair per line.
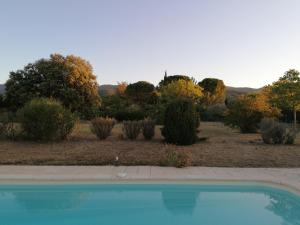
(121,175)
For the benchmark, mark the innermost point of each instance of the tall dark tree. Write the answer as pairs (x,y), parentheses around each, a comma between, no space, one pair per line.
(69,79)
(214,91)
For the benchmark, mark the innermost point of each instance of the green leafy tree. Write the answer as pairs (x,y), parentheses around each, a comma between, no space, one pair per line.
(140,92)
(181,88)
(214,91)
(69,79)
(286,92)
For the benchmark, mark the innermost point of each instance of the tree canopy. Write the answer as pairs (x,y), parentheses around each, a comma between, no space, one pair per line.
(169,79)
(69,79)
(214,91)
(286,92)
(140,92)
(182,88)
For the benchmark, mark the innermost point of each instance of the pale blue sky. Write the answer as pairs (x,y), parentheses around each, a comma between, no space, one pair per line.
(243,42)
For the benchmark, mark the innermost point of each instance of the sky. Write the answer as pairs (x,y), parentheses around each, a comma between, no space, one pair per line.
(243,42)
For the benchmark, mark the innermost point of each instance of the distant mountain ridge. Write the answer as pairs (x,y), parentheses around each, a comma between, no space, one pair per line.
(110,89)
(236,91)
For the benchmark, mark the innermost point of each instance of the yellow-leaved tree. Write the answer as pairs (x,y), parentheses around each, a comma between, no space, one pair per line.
(181,88)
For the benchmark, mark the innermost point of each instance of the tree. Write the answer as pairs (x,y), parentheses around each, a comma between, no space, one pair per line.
(181,122)
(169,79)
(286,92)
(140,92)
(69,79)
(2,102)
(247,111)
(214,91)
(121,88)
(181,88)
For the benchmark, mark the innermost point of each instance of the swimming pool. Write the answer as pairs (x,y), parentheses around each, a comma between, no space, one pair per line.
(147,204)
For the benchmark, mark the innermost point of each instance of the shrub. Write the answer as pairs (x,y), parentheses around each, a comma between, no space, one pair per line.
(102,127)
(148,127)
(131,129)
(176,159)
(273,132)
(181,122)
(46,119)
(8,127)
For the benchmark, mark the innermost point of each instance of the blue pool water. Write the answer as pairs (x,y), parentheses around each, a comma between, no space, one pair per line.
(147,204)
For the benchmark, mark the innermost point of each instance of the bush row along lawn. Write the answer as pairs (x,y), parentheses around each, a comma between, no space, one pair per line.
(224,148)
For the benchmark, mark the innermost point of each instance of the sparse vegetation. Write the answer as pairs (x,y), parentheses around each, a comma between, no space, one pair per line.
(177,159)
(225,148)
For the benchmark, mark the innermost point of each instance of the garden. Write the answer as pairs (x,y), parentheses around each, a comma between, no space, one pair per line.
(52,113)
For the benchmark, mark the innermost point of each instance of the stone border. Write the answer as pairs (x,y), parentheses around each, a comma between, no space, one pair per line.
(279,177)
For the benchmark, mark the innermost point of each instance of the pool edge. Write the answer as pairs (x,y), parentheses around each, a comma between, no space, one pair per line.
(287,179)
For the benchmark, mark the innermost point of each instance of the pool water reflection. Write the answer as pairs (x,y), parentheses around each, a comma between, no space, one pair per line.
(147,204)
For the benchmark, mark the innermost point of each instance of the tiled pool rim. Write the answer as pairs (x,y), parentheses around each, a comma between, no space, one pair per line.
(287,178)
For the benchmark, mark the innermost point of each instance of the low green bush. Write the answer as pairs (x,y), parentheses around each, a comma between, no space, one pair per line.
(274,132)
(102,127)
(46,119)
(148,128)
(132,129)
(181,122)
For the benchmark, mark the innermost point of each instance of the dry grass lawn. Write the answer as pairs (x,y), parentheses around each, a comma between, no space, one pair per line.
(224,148)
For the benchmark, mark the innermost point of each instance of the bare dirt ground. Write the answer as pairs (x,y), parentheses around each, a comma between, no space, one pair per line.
(224,148)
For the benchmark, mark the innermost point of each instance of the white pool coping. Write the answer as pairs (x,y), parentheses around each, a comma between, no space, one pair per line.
(279,177)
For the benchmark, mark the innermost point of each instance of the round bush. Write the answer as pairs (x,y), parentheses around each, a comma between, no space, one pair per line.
(102,127)
(181,122)
(274,132)
(46,119)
